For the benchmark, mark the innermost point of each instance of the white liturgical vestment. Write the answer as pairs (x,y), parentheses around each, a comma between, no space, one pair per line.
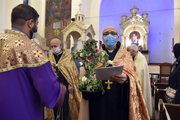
(143,73)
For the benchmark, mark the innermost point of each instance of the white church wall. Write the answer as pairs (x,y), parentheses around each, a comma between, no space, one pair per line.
(6,7)
(9,5)
(94,14)
(90,8)
(40,6)
(177,21)
(86,9)
(2,13)
(74,7)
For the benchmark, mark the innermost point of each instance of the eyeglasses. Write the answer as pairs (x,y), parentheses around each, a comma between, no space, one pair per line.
(107,33)
(53,46)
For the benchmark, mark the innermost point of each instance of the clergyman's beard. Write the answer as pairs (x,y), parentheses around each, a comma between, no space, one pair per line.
(33,30)
(133,57)
(31,34)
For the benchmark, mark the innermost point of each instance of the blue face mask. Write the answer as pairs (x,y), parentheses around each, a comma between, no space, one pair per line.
(110,41)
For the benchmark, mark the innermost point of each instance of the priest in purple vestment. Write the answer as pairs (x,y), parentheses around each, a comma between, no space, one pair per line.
(27,81)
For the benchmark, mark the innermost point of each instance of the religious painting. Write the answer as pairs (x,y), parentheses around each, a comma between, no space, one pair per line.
(58,16)
(134,37)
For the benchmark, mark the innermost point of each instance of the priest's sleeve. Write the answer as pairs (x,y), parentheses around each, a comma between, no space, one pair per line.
(45,82)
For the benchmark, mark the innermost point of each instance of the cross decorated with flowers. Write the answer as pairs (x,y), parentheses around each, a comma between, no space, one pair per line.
(90,57)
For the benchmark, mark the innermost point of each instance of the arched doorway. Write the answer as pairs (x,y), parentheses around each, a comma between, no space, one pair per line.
(74,41)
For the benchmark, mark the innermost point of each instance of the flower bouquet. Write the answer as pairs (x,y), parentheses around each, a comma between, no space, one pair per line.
(90,57)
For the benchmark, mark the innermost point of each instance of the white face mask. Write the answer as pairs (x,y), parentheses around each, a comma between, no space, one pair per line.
(36,40)
(56,50)
(34,35)
(34,32)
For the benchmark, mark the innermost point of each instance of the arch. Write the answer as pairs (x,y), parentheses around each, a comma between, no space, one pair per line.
(132,26)
(75,32)
(89,35)
(73,39)
(75,35)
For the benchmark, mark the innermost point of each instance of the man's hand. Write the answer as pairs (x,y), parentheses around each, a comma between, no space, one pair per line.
(120,78)
(70,89)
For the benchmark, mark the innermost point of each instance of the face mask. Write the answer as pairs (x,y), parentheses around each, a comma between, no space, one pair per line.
(56,50)
(110,41)
(36,41)
(34,34)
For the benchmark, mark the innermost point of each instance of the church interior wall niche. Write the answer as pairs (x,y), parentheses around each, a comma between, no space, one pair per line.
(134,37)
(76,36)
(58,16)
(135,30)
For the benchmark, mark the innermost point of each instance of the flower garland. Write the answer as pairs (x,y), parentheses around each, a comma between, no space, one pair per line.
(90,57)
(110,62)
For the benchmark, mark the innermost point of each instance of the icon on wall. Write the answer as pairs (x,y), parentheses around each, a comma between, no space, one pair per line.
(134,37)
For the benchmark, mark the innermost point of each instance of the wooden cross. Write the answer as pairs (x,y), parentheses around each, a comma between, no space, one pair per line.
(108,87)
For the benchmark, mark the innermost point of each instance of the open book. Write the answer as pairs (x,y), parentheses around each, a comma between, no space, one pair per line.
(105,73)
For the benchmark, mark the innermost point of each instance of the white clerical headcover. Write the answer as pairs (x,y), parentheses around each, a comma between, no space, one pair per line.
(105,73)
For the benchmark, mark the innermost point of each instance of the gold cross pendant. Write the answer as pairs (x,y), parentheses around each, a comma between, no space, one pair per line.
(109,83)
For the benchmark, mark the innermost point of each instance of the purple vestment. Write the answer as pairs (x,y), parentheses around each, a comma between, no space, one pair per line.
(27,81)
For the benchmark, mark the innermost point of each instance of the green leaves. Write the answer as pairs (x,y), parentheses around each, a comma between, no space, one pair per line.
(91,56)
(90,84)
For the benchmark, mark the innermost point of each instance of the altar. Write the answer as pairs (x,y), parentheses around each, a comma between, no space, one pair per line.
(135,30)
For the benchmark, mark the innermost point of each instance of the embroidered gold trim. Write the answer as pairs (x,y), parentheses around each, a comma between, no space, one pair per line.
(15,31)
(19,51)
(23,65)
